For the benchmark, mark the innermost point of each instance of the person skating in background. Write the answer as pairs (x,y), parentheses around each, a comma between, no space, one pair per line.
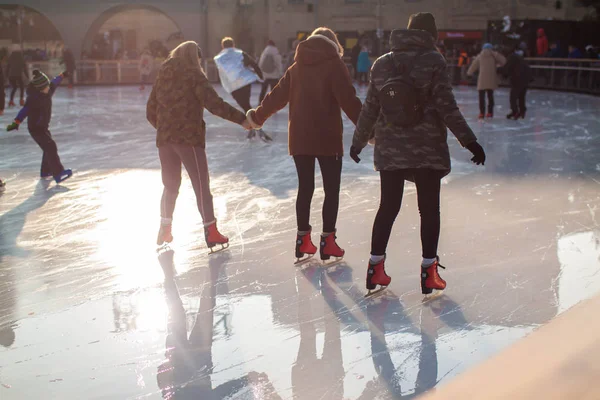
(271,65)
(354,58)
(363,66)
(238,71)
(318,87)
(38,110)
(411,145)
(145,67)
(487,63)
(518,72)
(15,69)
(463,65)
(175,109)
(68,60)
(542,43)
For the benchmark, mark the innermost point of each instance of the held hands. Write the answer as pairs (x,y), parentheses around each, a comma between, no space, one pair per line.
(354,152)
(478,153)
(13,126)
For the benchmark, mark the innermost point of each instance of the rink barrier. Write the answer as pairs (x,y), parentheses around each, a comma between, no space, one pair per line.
(556,362)
(548,73)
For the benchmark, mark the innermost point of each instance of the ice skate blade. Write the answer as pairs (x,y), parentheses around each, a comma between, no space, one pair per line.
(224,246)
(161,248)
(304,260)
(433,295)
(332,263)
(375,292)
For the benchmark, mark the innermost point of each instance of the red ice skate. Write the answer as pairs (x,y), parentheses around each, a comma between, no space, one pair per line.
(11,103)
(304,247)
(213,238)
(489,115)
(329,248)
(164,235)
(430,278)
(481,116)
(376,276)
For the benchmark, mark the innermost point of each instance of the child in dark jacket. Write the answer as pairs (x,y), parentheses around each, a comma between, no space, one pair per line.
(38,108)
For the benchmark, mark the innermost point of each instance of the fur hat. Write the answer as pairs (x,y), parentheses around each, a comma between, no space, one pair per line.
(423,21)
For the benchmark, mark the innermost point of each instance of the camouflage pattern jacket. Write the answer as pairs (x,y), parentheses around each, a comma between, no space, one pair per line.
(425,144)
(177,102)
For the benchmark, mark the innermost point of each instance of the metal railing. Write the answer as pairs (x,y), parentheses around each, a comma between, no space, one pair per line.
(562,74)
(548,73)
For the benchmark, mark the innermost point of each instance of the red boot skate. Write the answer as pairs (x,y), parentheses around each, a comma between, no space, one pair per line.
(11,103)
(329,248)
(213,238)
(304,247)
(164,235)
(431,280)
(376,276)
(481,117)
(489,115)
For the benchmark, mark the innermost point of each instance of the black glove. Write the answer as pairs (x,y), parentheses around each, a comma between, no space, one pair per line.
(354,152)
(478,153)
(66,74)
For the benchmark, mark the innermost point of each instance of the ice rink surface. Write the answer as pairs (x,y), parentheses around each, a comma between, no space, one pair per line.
(86,311)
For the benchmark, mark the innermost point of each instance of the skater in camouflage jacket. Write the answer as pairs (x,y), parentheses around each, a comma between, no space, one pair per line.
(176,109)
(417,152)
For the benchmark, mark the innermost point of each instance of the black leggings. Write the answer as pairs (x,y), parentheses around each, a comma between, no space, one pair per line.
(331,171)
(242,97)
(428,182)
(490,106)
(16,83)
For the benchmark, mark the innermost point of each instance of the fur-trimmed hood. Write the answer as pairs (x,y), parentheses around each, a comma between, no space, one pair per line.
(316,49)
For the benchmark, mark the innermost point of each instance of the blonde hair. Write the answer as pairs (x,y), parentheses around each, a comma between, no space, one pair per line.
(188,52)
(329,34)
(227,42)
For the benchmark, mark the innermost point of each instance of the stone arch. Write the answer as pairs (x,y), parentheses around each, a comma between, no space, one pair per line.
(37,26)
(113,11)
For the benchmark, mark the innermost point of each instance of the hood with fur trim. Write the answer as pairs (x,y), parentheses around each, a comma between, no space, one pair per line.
(315,50)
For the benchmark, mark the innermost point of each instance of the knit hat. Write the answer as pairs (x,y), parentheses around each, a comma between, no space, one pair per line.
(423,21)
(40,81)
(488,46)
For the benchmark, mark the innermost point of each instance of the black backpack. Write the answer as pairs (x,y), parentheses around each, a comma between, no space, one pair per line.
(401,102)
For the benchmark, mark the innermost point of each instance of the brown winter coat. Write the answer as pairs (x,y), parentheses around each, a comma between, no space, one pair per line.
(177,102)
(487,63)
(317,87)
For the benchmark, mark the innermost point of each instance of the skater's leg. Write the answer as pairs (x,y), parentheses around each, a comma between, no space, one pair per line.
(48,146)
(514,94)
(490,95)
(522,105)
(196,165)
(331,171)
(305,167)
(170,165)
(13,84)
(242,97)
(263,90)
(45,168)
(428,184)
(21,89)
(392,190)
(482,102)
(3,97)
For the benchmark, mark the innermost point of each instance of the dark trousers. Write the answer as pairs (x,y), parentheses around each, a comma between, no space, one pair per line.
(517,100)
(194,160)
(428,182)
(268,83)
(242,97)
(3,99)
(363,77)
(331,171)
(50,160)
(16,82)
(490,106)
